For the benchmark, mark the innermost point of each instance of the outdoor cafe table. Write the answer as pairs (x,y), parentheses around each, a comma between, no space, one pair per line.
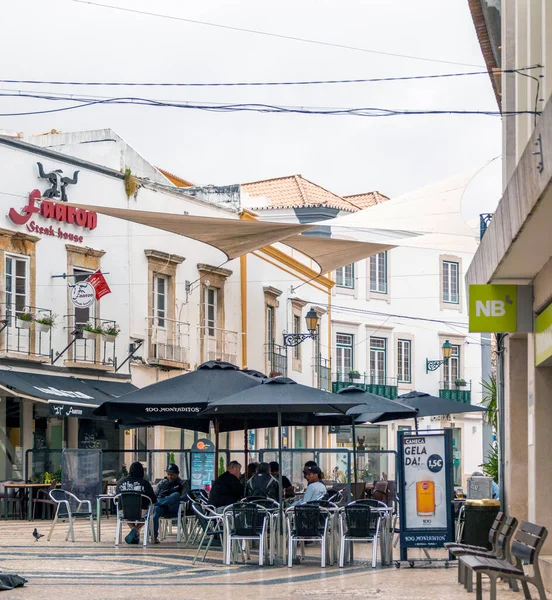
(99,499)
(28,488)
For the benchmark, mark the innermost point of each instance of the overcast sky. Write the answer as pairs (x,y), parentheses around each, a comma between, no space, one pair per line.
(66,40)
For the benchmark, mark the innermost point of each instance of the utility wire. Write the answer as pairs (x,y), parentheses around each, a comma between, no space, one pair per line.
(270,34)
(259,83)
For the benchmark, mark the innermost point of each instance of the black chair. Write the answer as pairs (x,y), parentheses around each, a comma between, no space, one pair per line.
(359,522)
(13,496)
(43,498)
(335,496)
(130,508)
(247,521)
(198,495)
(307,522)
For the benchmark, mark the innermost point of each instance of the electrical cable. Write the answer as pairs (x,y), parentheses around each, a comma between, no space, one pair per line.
(261,83)
(274,35)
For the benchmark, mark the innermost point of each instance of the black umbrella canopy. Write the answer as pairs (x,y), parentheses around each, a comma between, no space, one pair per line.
(374,409)
(184,396)
(282,395)
(430,406)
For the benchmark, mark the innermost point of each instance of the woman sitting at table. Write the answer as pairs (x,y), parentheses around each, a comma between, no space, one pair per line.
(316,490)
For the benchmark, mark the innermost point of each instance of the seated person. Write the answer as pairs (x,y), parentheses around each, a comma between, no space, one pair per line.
(135,482)
(251,470)
(316,490)
(227,488)
(169,492)
(308,465)
(289,492)
(263,484)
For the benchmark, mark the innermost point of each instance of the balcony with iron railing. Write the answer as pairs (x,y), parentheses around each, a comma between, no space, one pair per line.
(276,360)
(89,344)
(168,343)
(459,390)
(26,333)
(381,386)
(218,344)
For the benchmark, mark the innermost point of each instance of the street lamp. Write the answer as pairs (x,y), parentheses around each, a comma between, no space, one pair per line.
(294,339)
(433,365)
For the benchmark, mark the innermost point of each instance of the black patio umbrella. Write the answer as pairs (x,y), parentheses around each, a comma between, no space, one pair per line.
(185,396)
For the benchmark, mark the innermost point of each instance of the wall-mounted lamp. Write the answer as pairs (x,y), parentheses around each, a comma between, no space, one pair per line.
(433,365)
(294,339)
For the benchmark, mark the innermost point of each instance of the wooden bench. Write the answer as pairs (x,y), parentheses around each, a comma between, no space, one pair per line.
(502,535)
(526,548)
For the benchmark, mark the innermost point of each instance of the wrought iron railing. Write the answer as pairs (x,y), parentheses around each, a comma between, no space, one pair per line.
(168,341)
(276,358)
(381,386)
(92,347)
(459,390)
(218,344)
(21,334)
(484,222)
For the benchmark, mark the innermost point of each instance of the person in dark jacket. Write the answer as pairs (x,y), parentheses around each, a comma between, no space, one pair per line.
(227,488)
(263,484)
(135,482)
(289,492)
(169,492)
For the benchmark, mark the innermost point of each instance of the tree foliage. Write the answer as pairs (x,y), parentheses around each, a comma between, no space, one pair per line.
(489,401)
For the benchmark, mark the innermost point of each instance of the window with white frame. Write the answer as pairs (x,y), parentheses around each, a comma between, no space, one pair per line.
(451,282)
(378,273)
(210,300)
(344,356)
(378,360)
(160,293)
(451,369)
(345,276)
(270,325)
(404,361)
(17,284)
(297,331)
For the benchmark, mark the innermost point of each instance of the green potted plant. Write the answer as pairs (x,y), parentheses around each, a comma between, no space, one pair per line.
(24,320)
(90,331)
(110,331)
(45,322)
(461,383)
(354,374)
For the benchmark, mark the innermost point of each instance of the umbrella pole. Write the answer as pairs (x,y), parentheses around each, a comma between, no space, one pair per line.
(416,424)
(216,447)
(245,448)
(354,456)
(280,484)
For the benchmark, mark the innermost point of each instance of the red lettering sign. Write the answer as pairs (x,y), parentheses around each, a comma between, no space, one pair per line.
(25,214)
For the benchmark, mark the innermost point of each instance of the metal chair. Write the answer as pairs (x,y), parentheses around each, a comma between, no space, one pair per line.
(12,496)
(43,498)
(166,523)
(335,496)
(246,521)
(359,522)
(307,523)
(130,508)
(198,495)
(68,506)
(210,523)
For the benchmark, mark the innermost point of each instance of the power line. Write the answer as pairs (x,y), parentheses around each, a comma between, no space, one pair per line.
(247,107)
(274,35)
(258,83)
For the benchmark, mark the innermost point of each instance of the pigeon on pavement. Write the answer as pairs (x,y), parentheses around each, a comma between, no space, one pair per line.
(37,535)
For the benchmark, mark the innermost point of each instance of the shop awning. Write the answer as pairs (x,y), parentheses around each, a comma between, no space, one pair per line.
(66,396)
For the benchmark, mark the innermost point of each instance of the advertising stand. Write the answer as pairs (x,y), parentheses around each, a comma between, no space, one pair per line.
(425,490)
(202,471)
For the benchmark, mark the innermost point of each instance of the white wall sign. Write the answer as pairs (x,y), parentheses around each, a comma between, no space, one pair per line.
(425,479)
(83,294)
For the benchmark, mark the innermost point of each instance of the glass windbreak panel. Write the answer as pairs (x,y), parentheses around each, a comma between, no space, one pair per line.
(371,466)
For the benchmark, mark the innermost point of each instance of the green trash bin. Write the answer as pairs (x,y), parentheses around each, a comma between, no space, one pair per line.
(478,520)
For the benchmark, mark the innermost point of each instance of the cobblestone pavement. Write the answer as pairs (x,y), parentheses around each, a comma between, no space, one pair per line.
(84,570)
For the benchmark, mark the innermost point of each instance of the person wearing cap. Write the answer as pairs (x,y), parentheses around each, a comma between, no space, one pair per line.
(169,491)
(289,492)
(316,490)
(135,482)
(308,464)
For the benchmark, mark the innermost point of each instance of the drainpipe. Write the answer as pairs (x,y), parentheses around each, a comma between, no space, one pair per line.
(500,407)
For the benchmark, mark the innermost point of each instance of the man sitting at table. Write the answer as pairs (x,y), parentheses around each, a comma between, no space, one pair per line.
(169,492)
(135,482)
(263,484)
(227,488)
(316,490)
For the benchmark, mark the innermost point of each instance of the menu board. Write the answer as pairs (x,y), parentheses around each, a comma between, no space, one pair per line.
(426,489)
(202,464)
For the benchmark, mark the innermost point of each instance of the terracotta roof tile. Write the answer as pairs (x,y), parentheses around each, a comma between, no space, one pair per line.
(366,200)
(294,191)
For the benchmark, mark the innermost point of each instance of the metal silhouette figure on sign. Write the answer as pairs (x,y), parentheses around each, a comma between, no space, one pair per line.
(59,183)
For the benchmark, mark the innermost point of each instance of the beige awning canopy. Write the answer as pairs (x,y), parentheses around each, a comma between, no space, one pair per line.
(236,237)
(332,253)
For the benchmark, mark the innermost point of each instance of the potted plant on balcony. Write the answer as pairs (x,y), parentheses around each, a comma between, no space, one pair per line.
(45,322)
(110,331)
(24,320)
(90,331)
(460,383)
(354,374)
